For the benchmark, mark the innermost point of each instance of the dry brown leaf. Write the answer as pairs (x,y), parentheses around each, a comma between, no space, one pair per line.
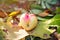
(2,14)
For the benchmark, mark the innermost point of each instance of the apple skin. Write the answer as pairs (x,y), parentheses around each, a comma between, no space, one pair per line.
(28,21)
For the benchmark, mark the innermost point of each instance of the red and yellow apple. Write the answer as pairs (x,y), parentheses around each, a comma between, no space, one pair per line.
(28,21)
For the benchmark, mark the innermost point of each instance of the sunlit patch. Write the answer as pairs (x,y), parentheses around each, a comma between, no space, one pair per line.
(21,34)
(49,21)
(50,30)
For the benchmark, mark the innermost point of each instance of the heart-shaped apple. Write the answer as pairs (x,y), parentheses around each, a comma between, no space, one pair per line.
(28,21)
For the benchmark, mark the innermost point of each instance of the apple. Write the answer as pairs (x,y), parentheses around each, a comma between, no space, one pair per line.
(28,21)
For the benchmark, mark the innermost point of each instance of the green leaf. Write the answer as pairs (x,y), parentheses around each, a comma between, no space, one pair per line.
(35,6)
(51,1)
(42,30)
(56,21)
(35,11)
(43,4)
(57,16)
(2,34)
(58,30)
(48,6)
(39,18)
(57,9)
(43,27)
